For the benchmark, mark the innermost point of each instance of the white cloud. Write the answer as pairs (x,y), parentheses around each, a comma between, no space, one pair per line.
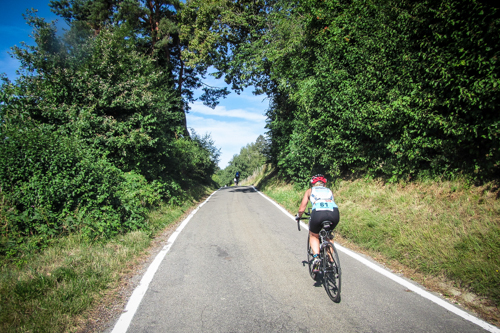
(237,121)
(221,111)
(254,98)
(229,136)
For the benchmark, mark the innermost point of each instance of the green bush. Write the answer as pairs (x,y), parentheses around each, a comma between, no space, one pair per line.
(393,88)
(90,139)
(55,187)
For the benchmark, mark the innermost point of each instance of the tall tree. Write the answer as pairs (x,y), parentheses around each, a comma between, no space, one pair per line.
(392,87)
(154,26)
(91,136)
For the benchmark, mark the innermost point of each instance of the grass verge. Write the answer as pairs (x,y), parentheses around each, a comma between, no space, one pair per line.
(56,290)
(260,175)
(446,235)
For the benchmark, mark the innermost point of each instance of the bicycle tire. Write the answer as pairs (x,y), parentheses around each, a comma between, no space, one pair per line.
(310,260)
(332,274)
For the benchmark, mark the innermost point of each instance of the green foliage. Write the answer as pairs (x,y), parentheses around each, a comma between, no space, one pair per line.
(56,186)
(92,138)
(378,89)
(394,88)
(196,159)
(251,157)
(55,289)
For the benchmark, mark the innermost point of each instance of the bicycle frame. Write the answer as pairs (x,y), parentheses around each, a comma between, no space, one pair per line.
(324,238)
(330,264)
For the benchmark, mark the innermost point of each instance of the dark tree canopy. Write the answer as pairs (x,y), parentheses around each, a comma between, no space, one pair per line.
(392,88)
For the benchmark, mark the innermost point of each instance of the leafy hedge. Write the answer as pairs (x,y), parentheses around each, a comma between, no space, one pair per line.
(250,158)
(392,88)
(92,136)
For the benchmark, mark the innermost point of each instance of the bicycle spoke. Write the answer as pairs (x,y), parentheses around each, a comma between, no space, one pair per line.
(331,272)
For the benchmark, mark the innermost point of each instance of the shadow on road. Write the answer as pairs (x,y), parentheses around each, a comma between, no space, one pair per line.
(240,189)
(318,282)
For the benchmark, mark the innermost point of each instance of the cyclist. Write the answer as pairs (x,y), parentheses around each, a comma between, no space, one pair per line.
(237,178)
(324,208)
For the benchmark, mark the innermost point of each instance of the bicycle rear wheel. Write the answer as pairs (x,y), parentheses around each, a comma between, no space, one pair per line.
(310,260)
(331,272)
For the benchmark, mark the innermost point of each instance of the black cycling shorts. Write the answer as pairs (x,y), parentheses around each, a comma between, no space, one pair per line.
(318,216)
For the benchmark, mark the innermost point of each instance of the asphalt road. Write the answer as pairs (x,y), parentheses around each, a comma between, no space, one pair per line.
(239,266)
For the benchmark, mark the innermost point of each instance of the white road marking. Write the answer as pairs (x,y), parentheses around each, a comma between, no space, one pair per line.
(398,279)
(125,319)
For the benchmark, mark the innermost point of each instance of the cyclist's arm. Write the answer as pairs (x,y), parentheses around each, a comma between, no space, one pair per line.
(304,202)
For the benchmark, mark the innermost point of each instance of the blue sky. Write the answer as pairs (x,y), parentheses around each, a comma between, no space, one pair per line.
(235,122)
(14,30)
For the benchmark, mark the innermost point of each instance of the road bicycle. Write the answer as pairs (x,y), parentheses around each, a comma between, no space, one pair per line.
(329,267)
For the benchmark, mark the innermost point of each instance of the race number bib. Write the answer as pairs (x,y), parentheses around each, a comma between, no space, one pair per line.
(322,199)
(324,205)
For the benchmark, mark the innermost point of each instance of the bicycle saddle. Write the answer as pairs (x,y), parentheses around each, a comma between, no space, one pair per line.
(327,225)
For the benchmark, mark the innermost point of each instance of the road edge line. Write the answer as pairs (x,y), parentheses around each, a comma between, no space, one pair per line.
(135,299)
(439,301)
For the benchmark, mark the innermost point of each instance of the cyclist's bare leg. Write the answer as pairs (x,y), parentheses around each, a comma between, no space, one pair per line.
(330,253)
(314,242)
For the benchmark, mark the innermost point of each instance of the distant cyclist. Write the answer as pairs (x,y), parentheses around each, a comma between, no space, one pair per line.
(324,208)
(237,178)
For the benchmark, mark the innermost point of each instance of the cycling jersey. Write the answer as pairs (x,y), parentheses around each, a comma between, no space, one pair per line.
(322,198)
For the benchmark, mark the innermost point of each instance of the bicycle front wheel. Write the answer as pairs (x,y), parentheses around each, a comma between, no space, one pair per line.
(332,272)
(310,259)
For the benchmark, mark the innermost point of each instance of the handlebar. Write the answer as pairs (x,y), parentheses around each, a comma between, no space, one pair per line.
(301,218)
